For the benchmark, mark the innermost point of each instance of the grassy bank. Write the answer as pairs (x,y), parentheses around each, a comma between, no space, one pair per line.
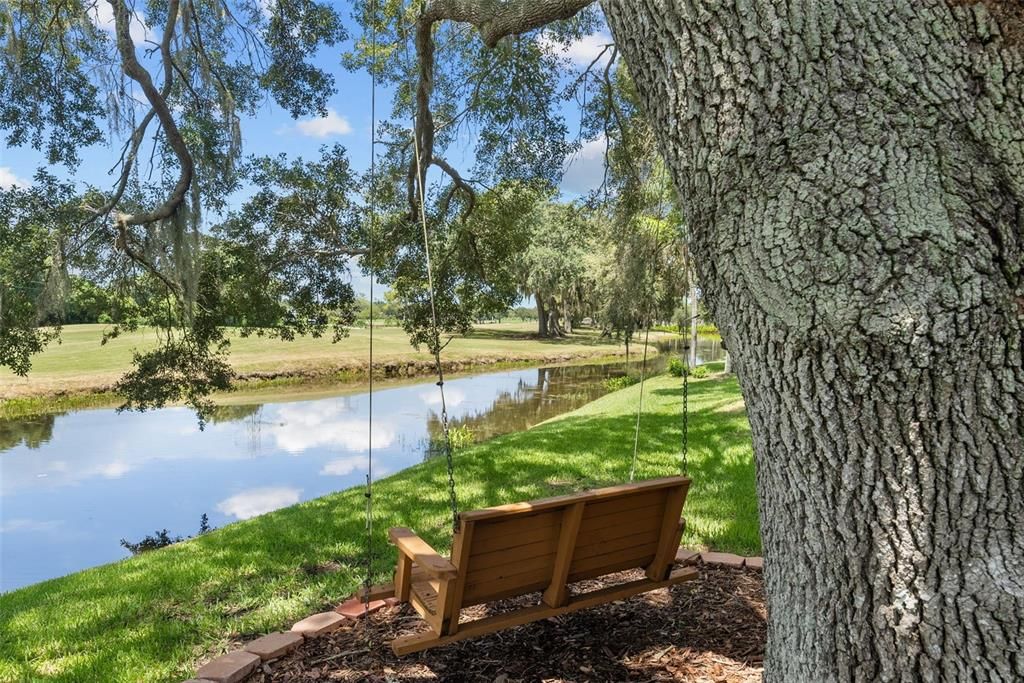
(80,366)
(155,616)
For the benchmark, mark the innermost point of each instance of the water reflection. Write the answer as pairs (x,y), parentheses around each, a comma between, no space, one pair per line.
(72,485)
(33,431)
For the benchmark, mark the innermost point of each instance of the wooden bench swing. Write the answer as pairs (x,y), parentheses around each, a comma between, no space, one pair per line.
(537,546)
(541,545)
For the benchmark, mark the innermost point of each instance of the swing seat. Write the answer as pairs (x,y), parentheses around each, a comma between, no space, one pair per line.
(542,545)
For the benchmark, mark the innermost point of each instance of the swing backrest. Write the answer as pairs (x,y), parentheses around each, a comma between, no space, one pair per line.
(524,547)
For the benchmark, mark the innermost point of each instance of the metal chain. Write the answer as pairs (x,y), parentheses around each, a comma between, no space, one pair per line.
(435,333)
(368,580)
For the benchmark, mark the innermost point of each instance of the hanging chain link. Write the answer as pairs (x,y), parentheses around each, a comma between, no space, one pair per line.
(452,500)
(368,579)
(436,341)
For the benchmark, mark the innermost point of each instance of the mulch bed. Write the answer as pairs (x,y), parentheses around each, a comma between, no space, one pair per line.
(711,629)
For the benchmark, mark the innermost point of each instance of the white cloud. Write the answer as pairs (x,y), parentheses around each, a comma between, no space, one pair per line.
(102,17)
(343,466)
(9,178)
(34,526)
(301,427)
(327,126)
(583,171)
(453,396)
(258,501)
(584,51)
(115,469)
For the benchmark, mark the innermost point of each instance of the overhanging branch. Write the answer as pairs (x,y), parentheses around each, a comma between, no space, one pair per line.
(494,19)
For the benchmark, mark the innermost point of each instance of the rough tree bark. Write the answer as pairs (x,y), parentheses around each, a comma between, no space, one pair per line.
(853,176)
(542,316)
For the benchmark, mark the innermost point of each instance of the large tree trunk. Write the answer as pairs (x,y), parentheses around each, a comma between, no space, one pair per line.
(542,316)
(853,176)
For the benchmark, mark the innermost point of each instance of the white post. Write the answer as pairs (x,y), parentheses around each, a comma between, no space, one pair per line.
(693,323)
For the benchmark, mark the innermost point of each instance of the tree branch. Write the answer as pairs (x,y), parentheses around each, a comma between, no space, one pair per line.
(135,71)
(494,19)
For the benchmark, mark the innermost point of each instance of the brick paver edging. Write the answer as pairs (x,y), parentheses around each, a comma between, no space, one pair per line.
(239,665)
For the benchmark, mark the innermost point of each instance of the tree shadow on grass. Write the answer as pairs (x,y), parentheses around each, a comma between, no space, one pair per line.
(159,612)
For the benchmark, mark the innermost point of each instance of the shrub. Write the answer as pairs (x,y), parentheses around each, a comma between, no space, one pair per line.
(676,366)
(162,539)
(461,436)
(621,382)
(699,371)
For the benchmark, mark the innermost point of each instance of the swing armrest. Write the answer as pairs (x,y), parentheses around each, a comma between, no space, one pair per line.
(425,557)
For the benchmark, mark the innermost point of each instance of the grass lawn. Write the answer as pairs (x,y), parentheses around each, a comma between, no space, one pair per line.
(153,617)
(79,363)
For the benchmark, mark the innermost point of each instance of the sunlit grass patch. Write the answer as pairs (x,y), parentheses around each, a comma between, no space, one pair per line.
(151,617)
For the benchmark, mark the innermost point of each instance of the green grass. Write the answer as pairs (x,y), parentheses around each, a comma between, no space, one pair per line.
(79,363)
(153,617)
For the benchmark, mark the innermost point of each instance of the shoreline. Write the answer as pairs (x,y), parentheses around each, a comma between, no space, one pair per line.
(340,376)
(260,574)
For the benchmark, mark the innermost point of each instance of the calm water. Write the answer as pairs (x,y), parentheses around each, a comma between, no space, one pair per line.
(73,485)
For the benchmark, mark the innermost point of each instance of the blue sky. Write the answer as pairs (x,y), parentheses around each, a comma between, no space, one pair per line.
(273,131)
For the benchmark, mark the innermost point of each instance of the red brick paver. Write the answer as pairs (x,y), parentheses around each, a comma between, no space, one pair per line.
(755,563)
(230,668)
(318,624)
(725,559)
(353,608)
(686,557)
(274,645)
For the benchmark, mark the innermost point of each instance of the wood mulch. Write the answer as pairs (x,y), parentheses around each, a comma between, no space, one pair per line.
(710,629)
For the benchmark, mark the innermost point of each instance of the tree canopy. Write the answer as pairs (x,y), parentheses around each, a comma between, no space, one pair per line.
(165,247)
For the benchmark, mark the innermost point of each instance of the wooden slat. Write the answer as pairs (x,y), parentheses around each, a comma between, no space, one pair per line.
(671,530)
(423,641)
(639,521)
(501,571)
(603,512)
(403,577)
(468,600)
(586,551)
(461,547)
(564,501)
(486,542)
(508,555)
(525,582)
(627,558)
(426,592)
(557,592)
(421,553)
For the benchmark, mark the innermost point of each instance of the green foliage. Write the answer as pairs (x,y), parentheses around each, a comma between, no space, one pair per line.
(676,366)
(473,263)
(283,258)
(700,372)
(620,382)
(33,275)
(189,365)
(461,436)
(524,313)
(162,539)
(262,574)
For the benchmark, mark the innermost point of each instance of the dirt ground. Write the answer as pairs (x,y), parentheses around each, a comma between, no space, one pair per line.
(710,629)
